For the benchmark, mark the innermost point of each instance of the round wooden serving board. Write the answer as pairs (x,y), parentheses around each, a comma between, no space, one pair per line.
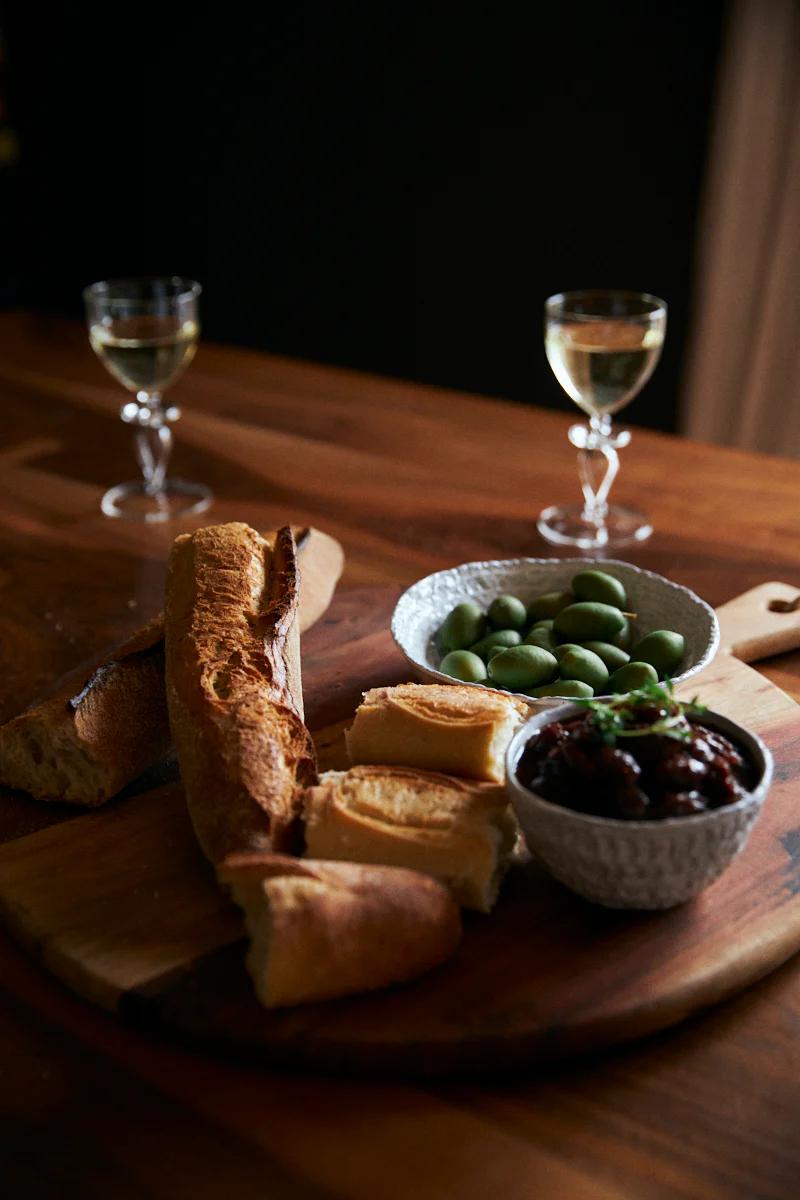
(120,904)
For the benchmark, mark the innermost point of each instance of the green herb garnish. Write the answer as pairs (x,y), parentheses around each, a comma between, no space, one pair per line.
(616,718)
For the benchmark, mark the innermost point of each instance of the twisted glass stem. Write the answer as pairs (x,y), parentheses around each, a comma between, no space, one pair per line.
(598,464)
(153,436)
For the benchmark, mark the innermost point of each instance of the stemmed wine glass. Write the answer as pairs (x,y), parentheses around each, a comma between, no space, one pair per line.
(603,346)
(145,332)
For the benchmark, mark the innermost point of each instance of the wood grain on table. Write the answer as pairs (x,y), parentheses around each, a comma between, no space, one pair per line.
(121,905)
(409,479)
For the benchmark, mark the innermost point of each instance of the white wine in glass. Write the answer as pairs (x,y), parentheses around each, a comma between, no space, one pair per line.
(145,333)
(145,353)
(602,346)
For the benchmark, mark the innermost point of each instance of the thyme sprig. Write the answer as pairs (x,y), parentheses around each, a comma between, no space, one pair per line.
(617,718)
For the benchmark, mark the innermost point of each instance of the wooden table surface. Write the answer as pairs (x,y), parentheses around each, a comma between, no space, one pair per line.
(409,479)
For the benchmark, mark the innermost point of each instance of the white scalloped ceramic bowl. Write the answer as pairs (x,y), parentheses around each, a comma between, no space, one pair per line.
(659,604)
(636,864)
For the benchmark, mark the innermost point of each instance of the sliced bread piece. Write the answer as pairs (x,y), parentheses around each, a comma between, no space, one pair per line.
(324,929)
(462,832)
(438,727)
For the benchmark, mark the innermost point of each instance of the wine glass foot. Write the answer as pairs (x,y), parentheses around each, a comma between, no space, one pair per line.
(178,498)
(567,526)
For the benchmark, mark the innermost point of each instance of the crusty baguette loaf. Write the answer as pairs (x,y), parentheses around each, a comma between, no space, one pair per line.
(90,739)
(233,687)
(438,727)
(461,832)
(319,930)
(84,744)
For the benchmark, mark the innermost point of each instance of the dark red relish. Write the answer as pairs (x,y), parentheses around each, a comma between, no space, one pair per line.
(578,764)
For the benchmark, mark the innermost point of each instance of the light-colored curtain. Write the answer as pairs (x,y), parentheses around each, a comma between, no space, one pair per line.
(742,386)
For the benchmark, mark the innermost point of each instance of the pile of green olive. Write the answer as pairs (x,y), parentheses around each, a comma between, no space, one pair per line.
(579,642)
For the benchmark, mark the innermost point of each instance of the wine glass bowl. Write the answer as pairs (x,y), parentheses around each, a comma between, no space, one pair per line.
(145,333)
(602,346)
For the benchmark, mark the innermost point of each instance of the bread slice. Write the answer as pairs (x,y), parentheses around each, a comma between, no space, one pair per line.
(324,929)
(461,832)
(233,687)
(458,730)
(86,742)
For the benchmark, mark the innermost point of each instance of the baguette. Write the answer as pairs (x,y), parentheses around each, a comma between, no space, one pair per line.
(233,687)
(459,831)
(322,929)
(438,727)
(82,746)
(88,741)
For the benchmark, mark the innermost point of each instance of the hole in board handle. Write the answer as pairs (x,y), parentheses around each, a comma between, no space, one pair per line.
(784,606)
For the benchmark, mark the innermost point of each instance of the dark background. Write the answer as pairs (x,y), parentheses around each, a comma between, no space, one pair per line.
(395,187)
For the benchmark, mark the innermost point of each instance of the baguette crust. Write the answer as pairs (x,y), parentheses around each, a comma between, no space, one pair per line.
(461,832)
(437,727)
(233,687)
(324,929)
(81,747)
(84,744)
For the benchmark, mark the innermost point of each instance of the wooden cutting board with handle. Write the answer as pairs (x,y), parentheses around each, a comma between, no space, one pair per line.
(122,907)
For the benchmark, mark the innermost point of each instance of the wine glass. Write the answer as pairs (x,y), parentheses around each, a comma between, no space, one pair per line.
(602,346)
(144,331)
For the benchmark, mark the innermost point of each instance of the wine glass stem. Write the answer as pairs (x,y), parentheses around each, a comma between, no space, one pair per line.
(598,470)
(153,444)
(598,464)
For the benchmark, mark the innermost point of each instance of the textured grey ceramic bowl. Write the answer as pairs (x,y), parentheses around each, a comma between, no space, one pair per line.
(659,603)
(636,864)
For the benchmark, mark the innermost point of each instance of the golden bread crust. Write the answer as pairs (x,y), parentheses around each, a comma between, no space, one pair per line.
(233,687)
(446,704)
(82,745)
(461,832)
(436,727)
(324,929)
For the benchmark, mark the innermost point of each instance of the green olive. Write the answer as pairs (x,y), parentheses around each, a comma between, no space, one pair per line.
(633,675)
(597,585)
(540,635)
(624,639)
(463,626)
(586,667)
(464,665)
(493,650)
(565,648)
(548,605)
(612,656)
(507,612)
(565,687)
(522,667)
(501,639)
(663,649)
(588,621)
